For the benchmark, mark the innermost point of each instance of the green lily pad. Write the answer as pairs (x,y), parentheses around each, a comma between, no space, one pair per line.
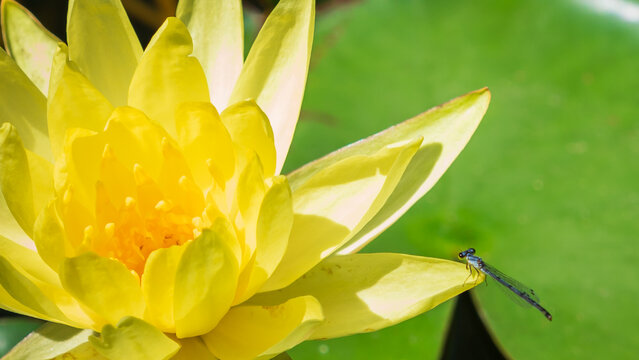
(13,329)
(547,188)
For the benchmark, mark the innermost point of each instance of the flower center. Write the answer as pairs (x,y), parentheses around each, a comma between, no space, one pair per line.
(136,216)
(133,236)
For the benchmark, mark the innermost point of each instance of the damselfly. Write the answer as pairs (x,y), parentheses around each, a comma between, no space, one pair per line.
(522,291)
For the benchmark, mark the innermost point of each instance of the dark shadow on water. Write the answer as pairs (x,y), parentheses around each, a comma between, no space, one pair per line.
(467,335)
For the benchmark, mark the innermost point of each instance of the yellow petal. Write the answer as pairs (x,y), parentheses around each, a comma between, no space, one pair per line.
(205,142)
(26,180)
(135,139)
(33,289)
(28,260)
(335,203)
(177,182)
(218,35)
(193,348)
(49,341)
(21,288)
(366,292)
(275,70)
(273,229)
(89,109)
(250,192)
(36,296)
(450,125)
(41,180)
(49,237)
(104,45)
(132,139)
(116,179)
(29,43)
(204,283)
(133,339)
(104,285)
(10,228)
(15,178)
(81,170)
(15,306)
(246,332)
(158,286)
(24,293)
(167,75)
(25,106)
(250,128)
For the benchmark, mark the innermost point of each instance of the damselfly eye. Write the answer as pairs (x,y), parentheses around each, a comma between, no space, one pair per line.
(470,251)
(461,254)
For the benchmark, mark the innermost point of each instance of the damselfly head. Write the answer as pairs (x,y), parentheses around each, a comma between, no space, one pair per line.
(464,253)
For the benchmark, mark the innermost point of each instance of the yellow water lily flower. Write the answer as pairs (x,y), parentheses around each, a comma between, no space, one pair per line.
(143,212)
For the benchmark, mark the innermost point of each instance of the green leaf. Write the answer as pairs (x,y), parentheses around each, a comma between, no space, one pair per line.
(47,342)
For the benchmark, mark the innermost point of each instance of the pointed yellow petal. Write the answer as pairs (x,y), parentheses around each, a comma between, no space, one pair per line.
(11,229)
(135,139)
(89,109)
(48,342)
(28,260)
(117,179)
(30,287)
(250,192)
(24,106)
(13,305)
(247,332)
(274,225)
(29,43)
(205,140)
(49,237)
(104,285)
(275,70)
(168,75)
(366,292)
(104,45)
(250,128)
(26,180)
(335,203)
(177,182)
(134,339)
(218,34)
(15,178)
(41,180)
(21,288)
(158,286)
(77,179)
(204,283)
(450,125)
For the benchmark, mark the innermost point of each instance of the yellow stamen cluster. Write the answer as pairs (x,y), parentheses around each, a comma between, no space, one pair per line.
(135,215)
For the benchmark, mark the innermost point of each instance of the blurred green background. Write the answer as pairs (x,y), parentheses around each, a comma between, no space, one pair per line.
(547,189)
